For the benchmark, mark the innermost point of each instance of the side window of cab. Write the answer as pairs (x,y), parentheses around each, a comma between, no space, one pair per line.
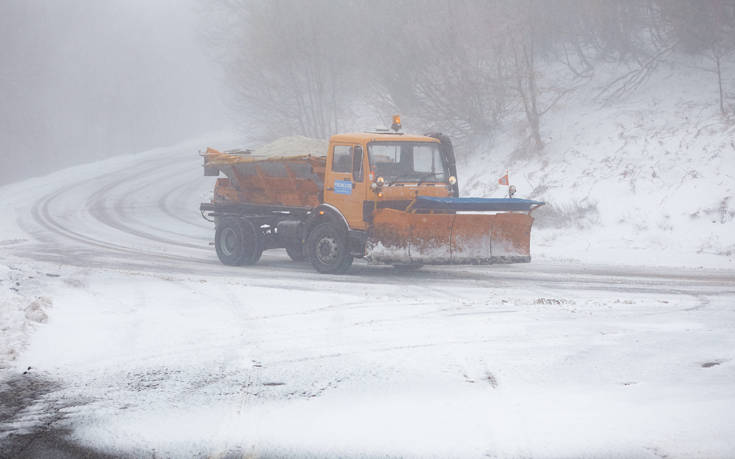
(342,158)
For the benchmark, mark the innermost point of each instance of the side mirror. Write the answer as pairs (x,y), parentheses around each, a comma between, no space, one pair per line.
(357,174)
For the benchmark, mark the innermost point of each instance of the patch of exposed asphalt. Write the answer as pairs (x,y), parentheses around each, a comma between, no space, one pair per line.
(32,420)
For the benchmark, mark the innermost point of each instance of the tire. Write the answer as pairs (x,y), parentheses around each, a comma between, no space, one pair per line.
(326,248)
(347,263)
(238,242)
(408,267)
(296,252)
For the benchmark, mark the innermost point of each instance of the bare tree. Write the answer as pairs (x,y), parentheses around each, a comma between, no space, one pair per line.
(706,28)
(461,67)
(720,41)
(524,74)
(287,64)
(523,31)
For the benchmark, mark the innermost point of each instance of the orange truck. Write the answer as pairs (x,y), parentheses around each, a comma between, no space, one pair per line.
(388,197)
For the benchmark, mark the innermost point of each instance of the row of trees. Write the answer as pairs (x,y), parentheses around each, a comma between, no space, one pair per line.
(461,66)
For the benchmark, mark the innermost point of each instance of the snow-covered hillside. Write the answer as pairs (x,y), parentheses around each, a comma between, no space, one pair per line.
(644,179)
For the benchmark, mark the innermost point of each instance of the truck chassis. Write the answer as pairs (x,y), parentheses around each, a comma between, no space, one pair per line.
(243,231)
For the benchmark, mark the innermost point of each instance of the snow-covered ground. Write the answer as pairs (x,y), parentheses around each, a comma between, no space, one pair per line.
(140,342)
(122,334)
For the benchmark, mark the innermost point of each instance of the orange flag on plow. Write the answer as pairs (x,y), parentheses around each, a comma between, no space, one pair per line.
(504,179)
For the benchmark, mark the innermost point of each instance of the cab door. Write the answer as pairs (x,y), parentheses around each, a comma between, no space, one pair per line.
(345,183)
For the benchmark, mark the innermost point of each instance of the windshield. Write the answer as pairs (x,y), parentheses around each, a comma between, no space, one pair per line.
(408,161)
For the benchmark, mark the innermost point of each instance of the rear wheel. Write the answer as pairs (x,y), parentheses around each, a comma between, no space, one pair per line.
(238,242)
(326,248)
(296,252)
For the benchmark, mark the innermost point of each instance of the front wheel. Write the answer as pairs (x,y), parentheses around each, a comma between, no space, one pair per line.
(326,248)
(238,242)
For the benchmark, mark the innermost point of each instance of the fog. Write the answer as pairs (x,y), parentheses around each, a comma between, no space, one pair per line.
(82,80)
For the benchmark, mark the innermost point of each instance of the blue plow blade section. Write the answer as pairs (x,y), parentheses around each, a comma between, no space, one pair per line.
(476,204)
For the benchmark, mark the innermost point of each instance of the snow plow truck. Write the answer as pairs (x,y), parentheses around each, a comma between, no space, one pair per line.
(386,196)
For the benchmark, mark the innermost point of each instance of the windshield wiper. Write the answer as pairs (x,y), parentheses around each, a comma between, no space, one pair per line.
(399,178)
(427,176)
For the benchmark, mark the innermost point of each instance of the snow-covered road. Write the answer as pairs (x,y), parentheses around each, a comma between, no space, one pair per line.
(141,343)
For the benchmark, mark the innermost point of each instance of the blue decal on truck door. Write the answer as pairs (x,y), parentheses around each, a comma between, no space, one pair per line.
(343,187)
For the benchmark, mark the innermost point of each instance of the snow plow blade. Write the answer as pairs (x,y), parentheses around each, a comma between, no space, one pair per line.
(416,237)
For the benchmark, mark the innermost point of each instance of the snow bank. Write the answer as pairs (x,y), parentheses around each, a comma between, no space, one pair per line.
(648,179)
(23,307)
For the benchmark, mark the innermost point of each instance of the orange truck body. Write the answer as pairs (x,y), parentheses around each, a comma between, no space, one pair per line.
(408,220)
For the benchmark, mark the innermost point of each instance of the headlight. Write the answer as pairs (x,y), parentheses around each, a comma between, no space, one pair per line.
(452,180)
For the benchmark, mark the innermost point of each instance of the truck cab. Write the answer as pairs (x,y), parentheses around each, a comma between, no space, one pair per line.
(368,171)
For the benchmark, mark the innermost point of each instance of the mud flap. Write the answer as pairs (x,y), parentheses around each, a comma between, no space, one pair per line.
(405,238)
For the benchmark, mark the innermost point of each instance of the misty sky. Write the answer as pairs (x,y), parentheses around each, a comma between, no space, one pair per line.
(84,79)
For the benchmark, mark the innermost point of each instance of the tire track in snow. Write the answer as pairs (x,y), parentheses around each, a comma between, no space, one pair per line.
(56,249)
(164,205)
(42,214)
(178,179)
(97,207)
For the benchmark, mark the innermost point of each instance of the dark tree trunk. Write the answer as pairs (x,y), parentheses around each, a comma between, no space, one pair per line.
(719,83)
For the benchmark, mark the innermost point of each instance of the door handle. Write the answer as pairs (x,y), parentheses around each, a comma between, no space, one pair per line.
(330,189)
